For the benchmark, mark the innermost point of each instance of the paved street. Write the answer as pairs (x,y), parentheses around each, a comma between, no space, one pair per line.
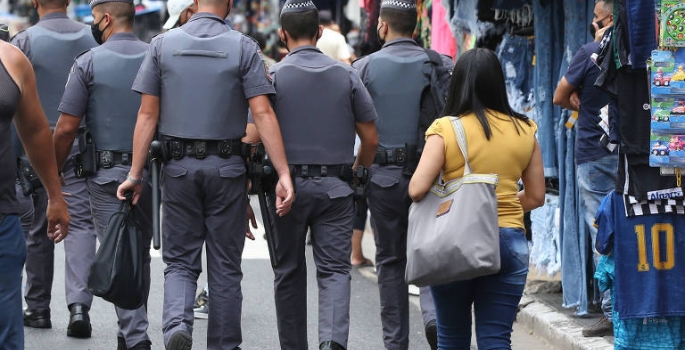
(259,326)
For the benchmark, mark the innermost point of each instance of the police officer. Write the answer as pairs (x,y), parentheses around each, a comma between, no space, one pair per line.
(397,98)
(319,138)
(99,87)
(19,103)
(197,82)
(51,45)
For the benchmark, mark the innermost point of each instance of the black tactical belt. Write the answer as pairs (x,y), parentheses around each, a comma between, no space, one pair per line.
(200,149)
(308,170)
(108,159)
(391,156)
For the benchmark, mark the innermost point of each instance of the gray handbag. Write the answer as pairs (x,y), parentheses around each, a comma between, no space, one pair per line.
(453,231)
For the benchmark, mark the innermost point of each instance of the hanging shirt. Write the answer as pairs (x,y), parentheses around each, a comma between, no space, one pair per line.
(650,272)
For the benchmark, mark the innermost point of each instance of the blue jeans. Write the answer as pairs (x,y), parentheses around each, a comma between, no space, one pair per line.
(12,257)
(495,299)
(595,180)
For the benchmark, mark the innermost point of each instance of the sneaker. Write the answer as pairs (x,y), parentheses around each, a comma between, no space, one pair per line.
(602,328)
(202,312)
(201,299)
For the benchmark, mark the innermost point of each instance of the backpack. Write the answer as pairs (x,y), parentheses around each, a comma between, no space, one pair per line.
(435,96)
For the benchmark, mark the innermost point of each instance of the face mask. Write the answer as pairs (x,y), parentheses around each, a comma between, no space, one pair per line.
(97,33)
(600,25)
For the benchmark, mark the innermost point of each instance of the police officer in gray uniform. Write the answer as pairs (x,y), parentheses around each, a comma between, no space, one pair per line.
(318,135)
(397,98)
(51,45)
(197,82)
(99,89)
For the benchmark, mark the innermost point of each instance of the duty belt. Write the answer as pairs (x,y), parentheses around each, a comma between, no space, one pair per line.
(108,159)
(200,149)
(312,170)
(391,156)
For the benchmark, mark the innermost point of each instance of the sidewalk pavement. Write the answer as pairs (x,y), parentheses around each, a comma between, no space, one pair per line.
(540,309)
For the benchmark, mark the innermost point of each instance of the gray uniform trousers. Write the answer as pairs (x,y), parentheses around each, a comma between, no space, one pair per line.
(204,202)
(102,188)
(325,204)
(79,245)
(389,203)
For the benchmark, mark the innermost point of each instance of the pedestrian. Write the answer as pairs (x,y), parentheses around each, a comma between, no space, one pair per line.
(99,87)
(180,12)
(193,70)
(478,97)
(397,98)
(20,104)
(51,45)
(597,165)
(319,139)
(332,43)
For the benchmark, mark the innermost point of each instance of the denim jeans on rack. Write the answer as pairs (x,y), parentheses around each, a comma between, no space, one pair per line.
(548,48)
(517,54)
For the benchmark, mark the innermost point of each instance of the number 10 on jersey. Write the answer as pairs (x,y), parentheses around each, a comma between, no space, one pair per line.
(658,231)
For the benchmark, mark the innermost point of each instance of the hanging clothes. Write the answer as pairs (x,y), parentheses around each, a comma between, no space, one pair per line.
(442,37)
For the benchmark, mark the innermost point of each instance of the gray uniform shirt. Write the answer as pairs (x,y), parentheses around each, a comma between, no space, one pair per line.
(80,83)
(56,22)
(318,128)
(206,25)
(402,47)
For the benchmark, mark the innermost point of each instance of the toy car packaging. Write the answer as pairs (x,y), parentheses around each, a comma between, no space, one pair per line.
(668,108)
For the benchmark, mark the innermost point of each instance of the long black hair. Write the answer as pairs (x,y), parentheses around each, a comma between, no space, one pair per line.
(477,86)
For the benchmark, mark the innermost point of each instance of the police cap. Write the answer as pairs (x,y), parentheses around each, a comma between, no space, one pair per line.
(402,5)
(296,6)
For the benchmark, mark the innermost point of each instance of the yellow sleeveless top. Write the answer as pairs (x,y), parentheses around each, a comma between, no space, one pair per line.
(507,154)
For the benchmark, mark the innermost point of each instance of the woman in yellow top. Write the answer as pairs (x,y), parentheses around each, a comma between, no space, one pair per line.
(502,142)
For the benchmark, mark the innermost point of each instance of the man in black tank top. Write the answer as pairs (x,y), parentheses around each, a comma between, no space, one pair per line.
(34,131)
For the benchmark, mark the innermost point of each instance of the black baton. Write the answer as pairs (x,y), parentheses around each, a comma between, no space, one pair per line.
(155,164)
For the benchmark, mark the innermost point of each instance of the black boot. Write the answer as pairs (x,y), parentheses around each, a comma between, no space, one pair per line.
(79,321)
(432,334)
(330,345)
(37,319)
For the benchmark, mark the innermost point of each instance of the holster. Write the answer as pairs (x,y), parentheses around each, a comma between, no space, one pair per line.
(411,160)
(85,162)
(28,179)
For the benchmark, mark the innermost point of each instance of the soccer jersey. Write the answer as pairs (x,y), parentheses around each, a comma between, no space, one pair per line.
(650,272)
(652,333)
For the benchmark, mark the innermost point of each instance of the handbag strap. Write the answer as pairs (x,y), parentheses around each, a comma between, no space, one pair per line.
(460,135)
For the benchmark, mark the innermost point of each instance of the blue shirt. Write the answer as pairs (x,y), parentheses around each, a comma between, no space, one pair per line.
(581,74)
(650,272)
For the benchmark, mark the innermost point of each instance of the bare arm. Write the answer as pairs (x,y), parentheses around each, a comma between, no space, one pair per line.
(267,125)
(34,132)
(367,149)
(533,194)
(432,161)
(563,95)
(148,116)
(63,137)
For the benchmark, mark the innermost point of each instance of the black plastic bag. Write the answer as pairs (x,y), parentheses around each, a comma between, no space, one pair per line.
(117,272)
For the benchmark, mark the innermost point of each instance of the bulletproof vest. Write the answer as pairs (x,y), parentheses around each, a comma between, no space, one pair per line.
(396,84)
(202,93)
(315,114)
(112,105)
(52,55)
